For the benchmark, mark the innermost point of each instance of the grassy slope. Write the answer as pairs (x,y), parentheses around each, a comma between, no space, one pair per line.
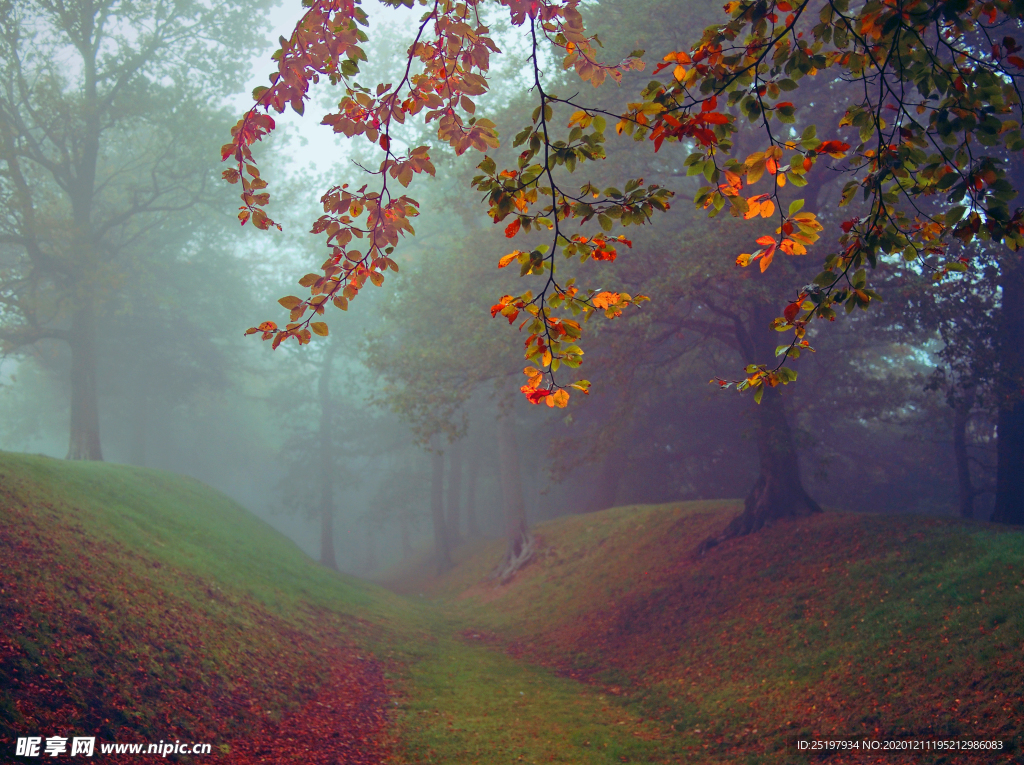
(838,626)
(136,605)
(145,606)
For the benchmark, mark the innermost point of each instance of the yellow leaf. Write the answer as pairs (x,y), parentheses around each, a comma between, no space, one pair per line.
(290,302)
(767,208)
(508,258)
(560,398)
(319,328)
(755,172)
(580,118)
(744,259)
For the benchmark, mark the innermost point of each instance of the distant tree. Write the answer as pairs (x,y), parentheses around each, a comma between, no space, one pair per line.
(95,98)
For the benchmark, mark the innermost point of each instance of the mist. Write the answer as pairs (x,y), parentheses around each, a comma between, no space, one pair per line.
(397,446)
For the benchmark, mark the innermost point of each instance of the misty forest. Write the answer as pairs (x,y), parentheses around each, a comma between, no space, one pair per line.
(498,381)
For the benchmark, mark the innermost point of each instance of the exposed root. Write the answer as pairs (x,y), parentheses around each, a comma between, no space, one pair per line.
(768,501)
(518,554)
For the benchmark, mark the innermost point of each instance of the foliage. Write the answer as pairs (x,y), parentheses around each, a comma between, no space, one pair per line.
(931,89)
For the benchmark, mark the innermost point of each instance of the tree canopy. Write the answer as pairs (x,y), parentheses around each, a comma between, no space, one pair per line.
(914,104)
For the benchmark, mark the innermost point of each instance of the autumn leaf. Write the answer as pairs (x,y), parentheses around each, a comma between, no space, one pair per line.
(535,395)
(605,299)
(790,247)
(509,258)
(319,328)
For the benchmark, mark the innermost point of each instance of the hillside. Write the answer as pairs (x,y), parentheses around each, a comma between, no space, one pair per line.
(839,626)
(140,606)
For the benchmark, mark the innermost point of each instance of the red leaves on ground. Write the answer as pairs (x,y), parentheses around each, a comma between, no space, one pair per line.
(344,722)
(93,642)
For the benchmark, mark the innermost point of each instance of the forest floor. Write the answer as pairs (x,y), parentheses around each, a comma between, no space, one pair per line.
(138,606)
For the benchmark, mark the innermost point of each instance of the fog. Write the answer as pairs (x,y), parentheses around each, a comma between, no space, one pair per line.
(416,373)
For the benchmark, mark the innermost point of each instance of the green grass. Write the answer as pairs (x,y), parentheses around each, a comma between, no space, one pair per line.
(185,597)
(135,591)
(837,626)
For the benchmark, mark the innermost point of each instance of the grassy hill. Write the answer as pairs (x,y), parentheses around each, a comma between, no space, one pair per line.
(139,606)
(839,626)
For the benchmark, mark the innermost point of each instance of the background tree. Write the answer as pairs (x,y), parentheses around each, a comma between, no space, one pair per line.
(94,98)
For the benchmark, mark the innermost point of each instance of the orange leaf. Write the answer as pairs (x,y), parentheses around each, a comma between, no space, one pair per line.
(765,240)
(766,259)
(605,299)
(508,258)
(511,230)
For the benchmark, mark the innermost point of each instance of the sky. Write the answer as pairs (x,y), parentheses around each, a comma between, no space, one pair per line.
(312,144)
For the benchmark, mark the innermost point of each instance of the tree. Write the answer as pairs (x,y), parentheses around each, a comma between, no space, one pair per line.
(930,87)
(94,97)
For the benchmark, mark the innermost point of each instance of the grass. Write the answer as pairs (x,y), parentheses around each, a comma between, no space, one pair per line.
(144,606)
(839,626)
(137,605)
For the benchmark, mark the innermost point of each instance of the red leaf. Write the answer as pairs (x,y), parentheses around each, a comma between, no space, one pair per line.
(537,395)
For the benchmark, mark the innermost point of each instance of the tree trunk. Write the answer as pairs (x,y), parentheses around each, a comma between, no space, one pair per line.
(442,551)
(452,516)
(520,543)
(403,528)
(1009,506)
(140,421)
(84,442)
(778,491)
(371,552)
(606,487)
(472,523)
(965,486)
(327,555)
